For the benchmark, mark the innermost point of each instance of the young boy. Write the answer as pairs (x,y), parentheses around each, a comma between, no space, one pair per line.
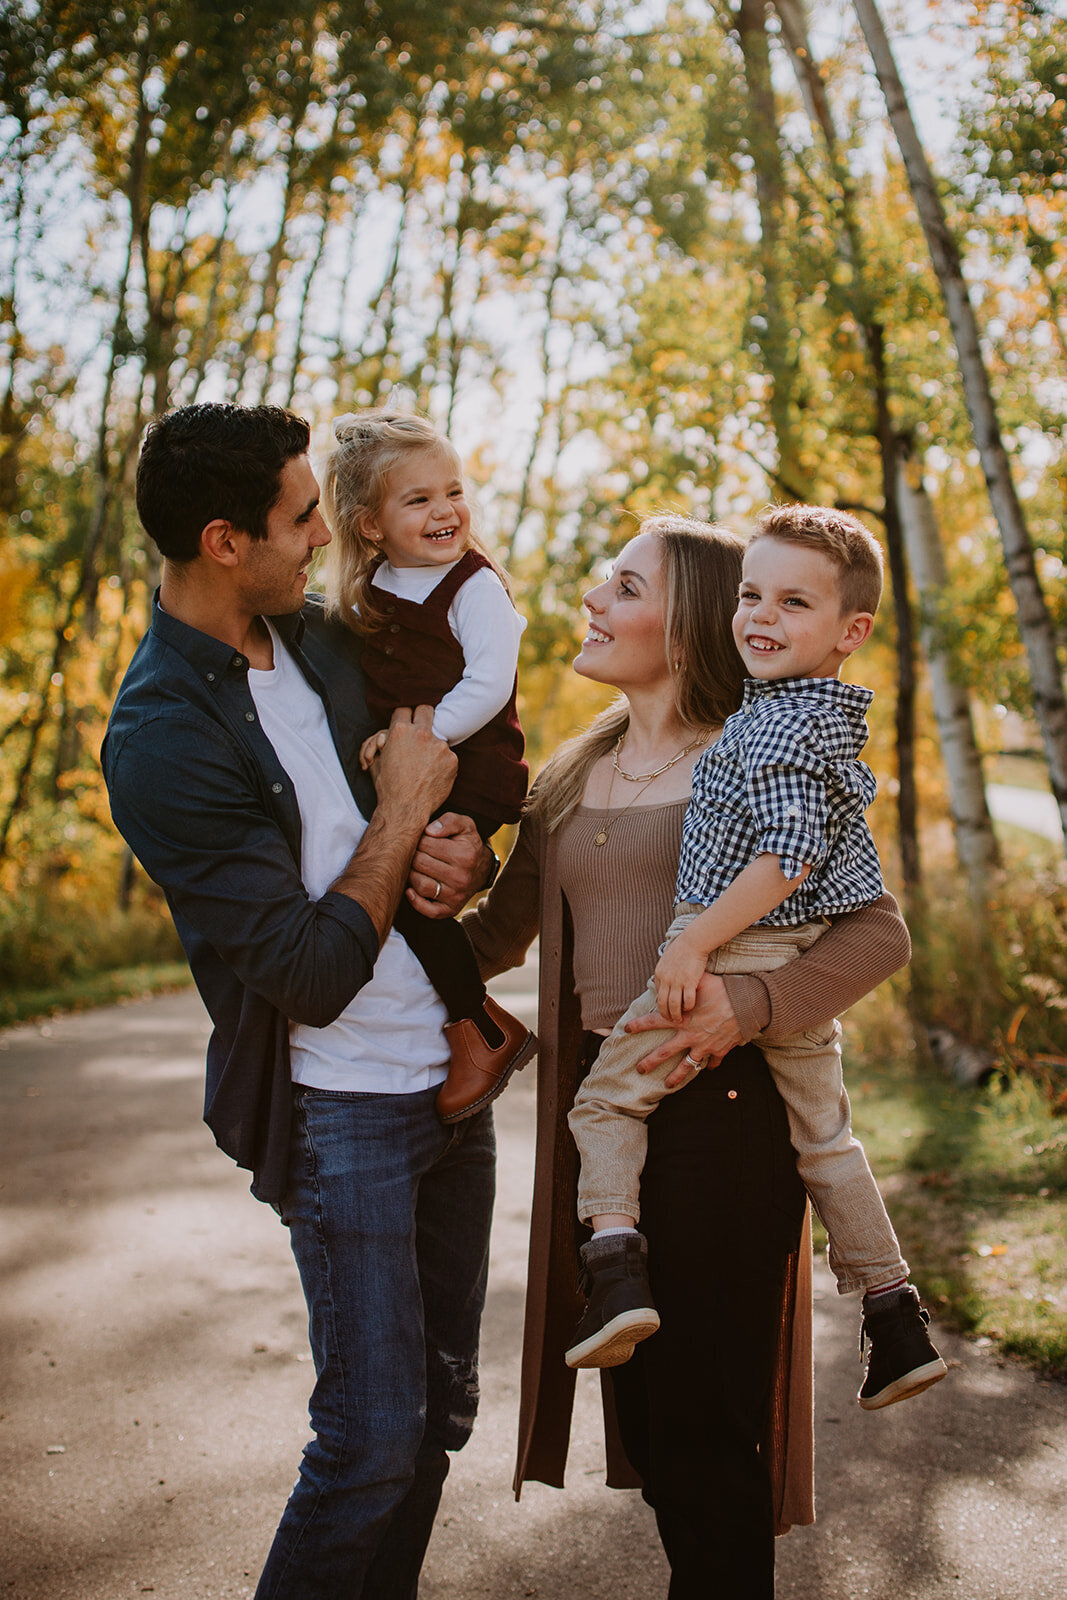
(774,842)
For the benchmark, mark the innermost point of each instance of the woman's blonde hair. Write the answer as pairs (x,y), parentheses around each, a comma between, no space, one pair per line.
(355,481)
(701,574)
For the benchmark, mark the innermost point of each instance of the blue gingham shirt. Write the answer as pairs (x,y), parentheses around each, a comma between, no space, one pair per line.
(784,779)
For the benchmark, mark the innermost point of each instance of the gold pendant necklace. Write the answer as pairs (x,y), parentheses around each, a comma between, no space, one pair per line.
(601,837)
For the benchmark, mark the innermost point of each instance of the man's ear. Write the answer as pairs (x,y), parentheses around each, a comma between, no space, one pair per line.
(220,543)
(857,631)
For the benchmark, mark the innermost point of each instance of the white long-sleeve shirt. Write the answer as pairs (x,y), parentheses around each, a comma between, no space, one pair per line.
(487,628)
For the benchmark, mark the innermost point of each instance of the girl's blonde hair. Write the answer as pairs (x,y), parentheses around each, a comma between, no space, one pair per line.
(355,481)
(701,573)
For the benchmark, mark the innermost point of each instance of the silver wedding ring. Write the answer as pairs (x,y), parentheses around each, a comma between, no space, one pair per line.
(437,892)
(689,1062)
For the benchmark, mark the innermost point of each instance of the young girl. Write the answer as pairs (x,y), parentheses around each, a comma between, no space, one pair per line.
(406,572)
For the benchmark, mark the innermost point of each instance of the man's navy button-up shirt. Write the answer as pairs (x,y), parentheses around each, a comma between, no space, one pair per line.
(199,794)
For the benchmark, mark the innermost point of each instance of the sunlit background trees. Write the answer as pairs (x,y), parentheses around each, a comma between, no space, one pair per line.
(631,256)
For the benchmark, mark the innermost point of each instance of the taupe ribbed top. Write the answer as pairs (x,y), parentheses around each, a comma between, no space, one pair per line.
(621,896)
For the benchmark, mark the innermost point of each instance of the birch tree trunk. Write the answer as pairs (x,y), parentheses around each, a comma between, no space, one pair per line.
(297,357)
(848,242)
(777,344)
(907,804)
(209,331)
(1035,624)
(976,842)
(264,320)
(555,273)
(386,305)
(12,421)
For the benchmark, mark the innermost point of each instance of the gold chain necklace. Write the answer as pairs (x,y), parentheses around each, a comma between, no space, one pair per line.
(645,779)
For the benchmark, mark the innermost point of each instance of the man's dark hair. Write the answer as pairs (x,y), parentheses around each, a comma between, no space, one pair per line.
(214,461)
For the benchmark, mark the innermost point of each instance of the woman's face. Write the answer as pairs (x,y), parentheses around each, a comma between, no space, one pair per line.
(625,645)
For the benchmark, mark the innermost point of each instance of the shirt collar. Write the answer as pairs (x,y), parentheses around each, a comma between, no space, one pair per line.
(211,657)
(826,691)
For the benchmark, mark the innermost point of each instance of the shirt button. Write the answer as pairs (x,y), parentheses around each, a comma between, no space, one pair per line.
(238,661)
(276,788)
(210,677)
(394,627)
(389,651)
(731,1094)
(390,611)
(250,716)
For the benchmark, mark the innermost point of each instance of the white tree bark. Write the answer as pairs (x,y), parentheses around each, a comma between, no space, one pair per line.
(976,842)
(848,242)
(1035,625)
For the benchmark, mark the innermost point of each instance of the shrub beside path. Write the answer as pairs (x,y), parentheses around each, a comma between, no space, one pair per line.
(155,1377)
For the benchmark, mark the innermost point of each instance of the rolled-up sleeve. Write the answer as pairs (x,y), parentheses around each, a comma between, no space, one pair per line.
(185,797)
(787,795)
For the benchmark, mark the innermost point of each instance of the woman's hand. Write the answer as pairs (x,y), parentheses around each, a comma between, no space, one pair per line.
(707,1032)
(450,865)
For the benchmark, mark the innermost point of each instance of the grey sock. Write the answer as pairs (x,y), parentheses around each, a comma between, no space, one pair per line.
(602,1246)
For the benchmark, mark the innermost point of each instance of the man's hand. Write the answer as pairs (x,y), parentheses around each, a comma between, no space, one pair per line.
(414,770)
(412,775)
(707,1032)
(451,864)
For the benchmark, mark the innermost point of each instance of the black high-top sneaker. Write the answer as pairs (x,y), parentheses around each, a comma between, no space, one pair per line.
(619,1312)
(902,1360)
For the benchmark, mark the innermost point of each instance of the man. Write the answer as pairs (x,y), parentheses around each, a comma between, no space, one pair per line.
(231,760)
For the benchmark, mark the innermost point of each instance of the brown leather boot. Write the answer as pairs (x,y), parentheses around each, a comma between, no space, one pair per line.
(477,1072)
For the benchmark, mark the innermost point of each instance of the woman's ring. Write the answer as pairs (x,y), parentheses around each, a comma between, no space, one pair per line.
(689,1062)
(437,892)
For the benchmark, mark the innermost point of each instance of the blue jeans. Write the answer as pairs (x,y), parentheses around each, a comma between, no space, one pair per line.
(388,1213)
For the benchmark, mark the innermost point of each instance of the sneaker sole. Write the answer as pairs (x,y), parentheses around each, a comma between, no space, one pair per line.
(903,1388)
(614,1344)
(520,1059)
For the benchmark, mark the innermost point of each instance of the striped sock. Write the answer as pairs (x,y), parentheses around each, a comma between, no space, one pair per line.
(874,1297)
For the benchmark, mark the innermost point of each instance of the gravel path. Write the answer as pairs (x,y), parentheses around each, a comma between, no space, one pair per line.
(155,1375)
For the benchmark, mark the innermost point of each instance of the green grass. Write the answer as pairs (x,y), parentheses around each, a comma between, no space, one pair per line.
(976,1184)
(98,989)
(1032,850)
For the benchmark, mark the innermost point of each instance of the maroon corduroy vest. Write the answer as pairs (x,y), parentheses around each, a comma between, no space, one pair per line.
(415,660)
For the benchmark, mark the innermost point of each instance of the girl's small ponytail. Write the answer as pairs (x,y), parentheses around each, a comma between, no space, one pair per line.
(346,427)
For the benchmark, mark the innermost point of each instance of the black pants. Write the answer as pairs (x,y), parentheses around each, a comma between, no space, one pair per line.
(722,1208)
(444,952)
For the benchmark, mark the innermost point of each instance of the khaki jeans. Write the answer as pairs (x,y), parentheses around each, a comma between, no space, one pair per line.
(609,1113)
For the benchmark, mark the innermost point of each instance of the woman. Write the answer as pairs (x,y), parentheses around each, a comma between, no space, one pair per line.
(713,1414)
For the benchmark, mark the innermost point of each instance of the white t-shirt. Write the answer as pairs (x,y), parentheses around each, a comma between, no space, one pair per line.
(488,629)
(389,1039)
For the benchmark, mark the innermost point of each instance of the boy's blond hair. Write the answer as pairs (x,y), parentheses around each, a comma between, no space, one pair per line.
(840,537)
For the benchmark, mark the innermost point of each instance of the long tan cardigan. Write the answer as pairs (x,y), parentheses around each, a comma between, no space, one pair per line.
(525,900)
